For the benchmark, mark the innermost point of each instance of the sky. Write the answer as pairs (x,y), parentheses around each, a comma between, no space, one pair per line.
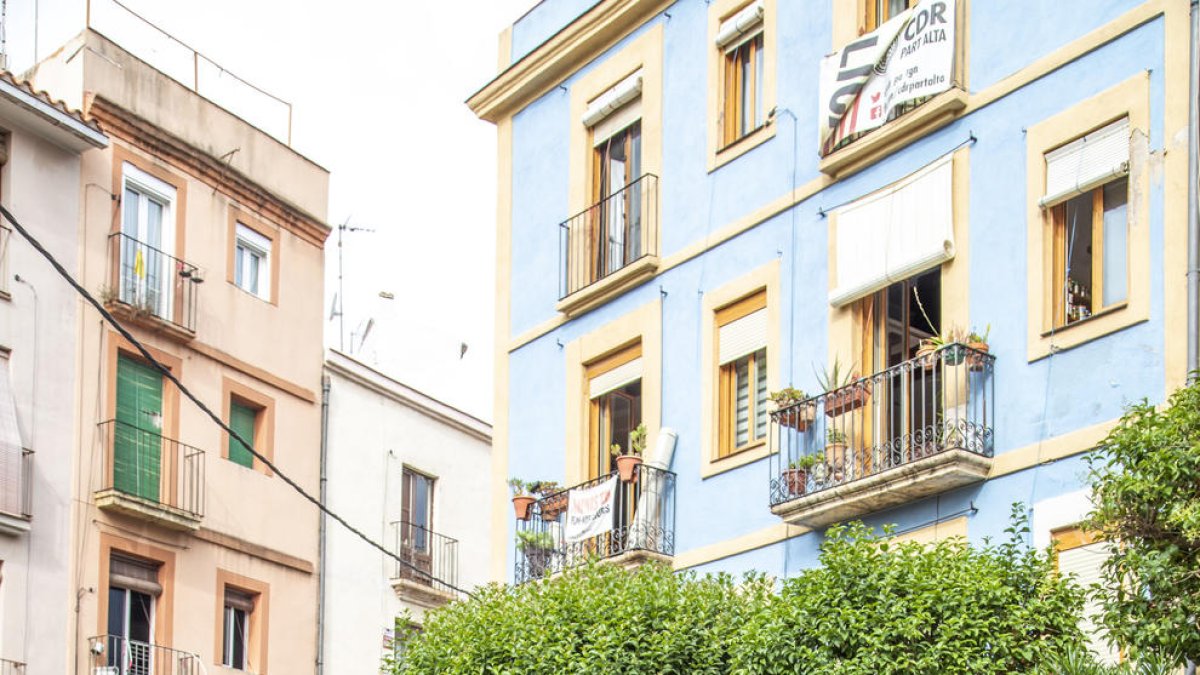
(377,91)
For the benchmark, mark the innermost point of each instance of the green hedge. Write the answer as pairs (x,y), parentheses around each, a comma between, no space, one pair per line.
(872,607)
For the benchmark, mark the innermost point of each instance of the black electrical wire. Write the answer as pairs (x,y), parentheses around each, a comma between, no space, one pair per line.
(204,408)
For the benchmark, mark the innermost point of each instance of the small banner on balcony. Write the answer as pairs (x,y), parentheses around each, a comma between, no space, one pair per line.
(908,58)
(590,511)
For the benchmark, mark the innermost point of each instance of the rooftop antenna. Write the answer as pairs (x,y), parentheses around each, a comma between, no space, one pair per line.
(341,295)
(3,35)
(362,336)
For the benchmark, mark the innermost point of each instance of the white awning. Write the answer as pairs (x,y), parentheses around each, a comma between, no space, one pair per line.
(740,24)
(894,233)
(616,378)
(743,336)
(11,448)
(1086,163)
(612,100)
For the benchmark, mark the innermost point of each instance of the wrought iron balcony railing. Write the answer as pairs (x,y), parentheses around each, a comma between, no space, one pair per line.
(643,521)
(9,667)
(609,236)
(429,558)
(918,409)
(151,283)
(117,655)
(151,469)
(16,479)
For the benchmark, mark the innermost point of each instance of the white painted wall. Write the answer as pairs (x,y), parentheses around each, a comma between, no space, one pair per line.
(40,185)
(376,427)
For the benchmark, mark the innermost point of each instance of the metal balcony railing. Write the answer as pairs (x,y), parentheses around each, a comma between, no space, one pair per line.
(643,520)
(16,477)
(608,236)
(151,282)
(142,464)
(928,405)
(8,667)
(428,558)
(116,655)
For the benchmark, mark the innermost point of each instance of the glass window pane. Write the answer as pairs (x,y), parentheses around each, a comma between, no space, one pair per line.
(239,266)
(1116,242)
(130,216)
(1078,238)
(758,82)
(742,402)
(252,279)
(760,394)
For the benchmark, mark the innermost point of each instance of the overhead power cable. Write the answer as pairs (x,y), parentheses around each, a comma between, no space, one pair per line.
(166,372)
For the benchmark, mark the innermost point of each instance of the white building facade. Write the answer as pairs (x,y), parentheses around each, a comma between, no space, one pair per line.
(412,472)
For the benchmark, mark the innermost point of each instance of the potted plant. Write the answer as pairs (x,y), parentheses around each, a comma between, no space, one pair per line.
(522,499)
(627,462)
(835,451)
(553,498)
(844,392)
(789,413)
(538,548)
(979,344)
(795,476)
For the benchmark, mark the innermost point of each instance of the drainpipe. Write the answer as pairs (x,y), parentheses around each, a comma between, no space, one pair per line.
(1193,272)
(321,555)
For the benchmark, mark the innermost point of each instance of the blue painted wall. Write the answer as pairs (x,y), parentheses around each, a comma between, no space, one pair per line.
(1034,401)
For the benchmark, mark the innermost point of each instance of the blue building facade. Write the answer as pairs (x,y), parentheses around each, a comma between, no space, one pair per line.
(686,224)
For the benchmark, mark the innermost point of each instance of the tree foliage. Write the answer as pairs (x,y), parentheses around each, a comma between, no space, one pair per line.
(1146,494)
(873,607)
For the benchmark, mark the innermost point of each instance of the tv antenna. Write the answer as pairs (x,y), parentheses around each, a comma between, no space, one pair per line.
(340,299)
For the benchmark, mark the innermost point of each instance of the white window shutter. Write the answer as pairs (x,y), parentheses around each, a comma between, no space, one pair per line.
(616,122)
(741,337)
(1085,564)
(11,479)
(894,233)
(1087,162)
(613,100)
(740,24)
(616,378)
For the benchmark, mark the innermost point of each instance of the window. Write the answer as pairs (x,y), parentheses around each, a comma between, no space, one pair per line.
(252,262)
(243,419)
(615,403)
(416,522)
(742,381)
(879,12)
(1079,555)
(133,588)
(137,431)
(740,37)
(1087,195)
(13,485)
(147,272)
(239,606)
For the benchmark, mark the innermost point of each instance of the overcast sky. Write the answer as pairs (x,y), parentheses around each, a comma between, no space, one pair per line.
(377,90)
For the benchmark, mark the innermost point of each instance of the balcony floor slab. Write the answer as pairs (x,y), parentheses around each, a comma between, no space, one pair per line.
(144,509)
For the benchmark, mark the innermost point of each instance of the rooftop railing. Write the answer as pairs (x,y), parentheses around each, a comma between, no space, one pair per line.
(426,557)
(918,409)
(643,520)
(609,236)
(152,469)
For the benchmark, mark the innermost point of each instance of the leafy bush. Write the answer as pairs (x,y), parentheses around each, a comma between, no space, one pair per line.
(1146,496)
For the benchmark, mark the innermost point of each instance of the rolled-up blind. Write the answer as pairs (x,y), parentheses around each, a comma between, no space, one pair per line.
(894,233)
(615,378)
(11,448)
(742,336)
(239,600)
(134,574)
(740,24)
(612,100)
(1087,162)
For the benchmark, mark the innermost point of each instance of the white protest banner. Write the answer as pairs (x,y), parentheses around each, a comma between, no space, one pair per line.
(907,58)
(590,511)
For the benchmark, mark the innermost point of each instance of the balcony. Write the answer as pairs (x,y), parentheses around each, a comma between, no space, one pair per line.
(427,572)
(610,247)
(150,477)
(16,499)
(151,288)
(914,430)
(643,528)
(8,667)
(116,655)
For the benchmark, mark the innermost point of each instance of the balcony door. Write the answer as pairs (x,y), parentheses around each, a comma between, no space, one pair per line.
(416,516)
(132,592)
(146,273)
(137,441)
(617,221)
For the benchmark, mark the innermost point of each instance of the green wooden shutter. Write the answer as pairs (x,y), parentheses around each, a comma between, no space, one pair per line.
(137,439)
(241,420)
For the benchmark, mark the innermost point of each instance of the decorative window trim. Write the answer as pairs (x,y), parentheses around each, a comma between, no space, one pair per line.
(720,11)
(765,278)
(164,611)
(1130,98)
(238,217)
(264,423)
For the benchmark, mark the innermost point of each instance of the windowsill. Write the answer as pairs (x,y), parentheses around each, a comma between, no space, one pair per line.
(910,127)
(741,146)
(253,295)
(1102,323)
(152,322)
(748,455)
(609,287)
(1083,322)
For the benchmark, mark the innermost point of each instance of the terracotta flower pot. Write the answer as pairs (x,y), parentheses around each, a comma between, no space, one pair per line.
(796,481)
(521,504)
(835,457)
(926,356)
(799,418)
(627,467)
(554,505)
(977,361)
(848,399)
